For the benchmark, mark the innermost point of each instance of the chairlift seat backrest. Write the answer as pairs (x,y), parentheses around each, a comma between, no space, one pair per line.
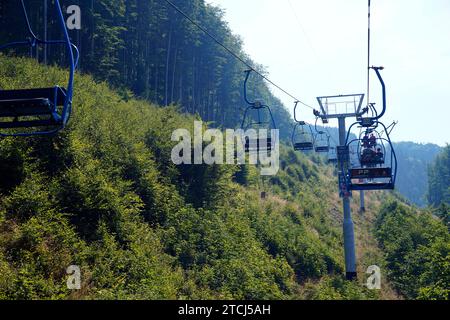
(332,160)
(371,173)
(323,149)
(303,146)
(258,144)
(367,179)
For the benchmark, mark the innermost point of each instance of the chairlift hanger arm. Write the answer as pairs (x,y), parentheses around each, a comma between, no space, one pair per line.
(247,76)
(27,20)
(274,126)
(383,88)
(62,22)
(349,132)
(295,112)
(245,117)
(371,121)
(315,127)
(371,107)
(313,136)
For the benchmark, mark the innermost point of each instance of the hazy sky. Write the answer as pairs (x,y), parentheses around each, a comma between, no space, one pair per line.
(319,47)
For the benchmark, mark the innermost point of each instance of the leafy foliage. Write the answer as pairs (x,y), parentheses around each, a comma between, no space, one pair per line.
(417,247)
(414,158)
(439,179)
(150,49)
(105,195)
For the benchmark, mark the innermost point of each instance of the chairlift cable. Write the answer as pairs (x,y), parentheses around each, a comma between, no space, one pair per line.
(368,54)
(234,54)
(308,40)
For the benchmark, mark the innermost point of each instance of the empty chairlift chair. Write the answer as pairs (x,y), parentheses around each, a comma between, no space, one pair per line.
(24,111)
(257,116)
(322,139)
(332,156)
(322,142)
(302,135)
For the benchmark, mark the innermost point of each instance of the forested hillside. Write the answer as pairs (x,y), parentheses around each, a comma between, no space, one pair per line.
(439,175)
(439,185)
(104,195)
(417,248)
(413,161)
(149,48)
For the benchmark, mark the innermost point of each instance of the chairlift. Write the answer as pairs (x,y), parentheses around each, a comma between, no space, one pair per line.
(46,108)
(332,156)
(376,170)
(257,116)
(322,140)
(302,135)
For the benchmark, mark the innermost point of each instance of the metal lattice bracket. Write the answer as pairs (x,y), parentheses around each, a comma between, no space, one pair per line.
(349,105)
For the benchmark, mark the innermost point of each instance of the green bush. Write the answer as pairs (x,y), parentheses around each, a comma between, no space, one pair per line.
(417,247)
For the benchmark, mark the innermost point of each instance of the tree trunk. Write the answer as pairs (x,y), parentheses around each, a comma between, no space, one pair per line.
(166,96)
(173,73)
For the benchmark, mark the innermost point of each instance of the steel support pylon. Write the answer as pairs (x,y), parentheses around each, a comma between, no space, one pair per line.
(348,228)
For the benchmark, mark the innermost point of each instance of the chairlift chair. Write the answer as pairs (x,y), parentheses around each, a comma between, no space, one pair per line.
(45,108)
(302,138)
(257,116)
(302,135)
(374,174)
(321,141)
(332,156)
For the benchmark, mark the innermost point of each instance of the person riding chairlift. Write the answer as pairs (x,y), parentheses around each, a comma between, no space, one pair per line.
(372,141)
(368,155)
(365,141)
(379,156)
